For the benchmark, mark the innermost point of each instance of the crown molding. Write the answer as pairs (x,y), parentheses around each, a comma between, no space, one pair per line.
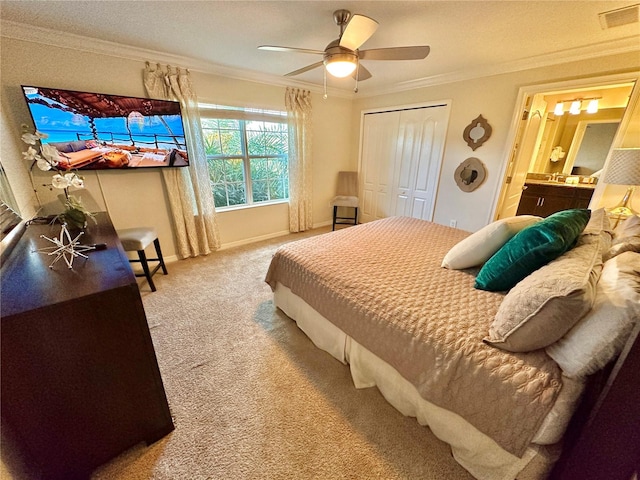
(603,49)
(20,31)
(45,36)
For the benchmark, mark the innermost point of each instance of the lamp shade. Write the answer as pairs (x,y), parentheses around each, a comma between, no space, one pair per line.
(624,167)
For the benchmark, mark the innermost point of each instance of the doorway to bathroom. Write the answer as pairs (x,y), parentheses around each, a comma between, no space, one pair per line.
(562,131)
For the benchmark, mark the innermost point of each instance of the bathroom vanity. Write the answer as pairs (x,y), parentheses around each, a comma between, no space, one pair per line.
(544,197)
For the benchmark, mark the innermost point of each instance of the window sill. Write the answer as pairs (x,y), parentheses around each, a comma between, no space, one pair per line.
(253,205)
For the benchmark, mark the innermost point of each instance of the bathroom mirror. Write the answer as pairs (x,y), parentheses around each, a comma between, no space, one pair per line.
(590,147)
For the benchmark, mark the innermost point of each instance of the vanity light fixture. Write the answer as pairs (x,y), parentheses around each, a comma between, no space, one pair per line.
(575,107)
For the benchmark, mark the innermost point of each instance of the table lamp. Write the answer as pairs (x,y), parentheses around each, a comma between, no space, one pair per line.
(624,169)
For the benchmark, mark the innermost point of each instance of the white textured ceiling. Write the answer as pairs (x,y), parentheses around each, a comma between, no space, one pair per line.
(465,36)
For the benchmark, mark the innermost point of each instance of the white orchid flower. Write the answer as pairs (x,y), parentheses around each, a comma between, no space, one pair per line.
(59,181)
(50,153)
(41,135)
(29,138)
(43,164)
(76,181)
(31,154)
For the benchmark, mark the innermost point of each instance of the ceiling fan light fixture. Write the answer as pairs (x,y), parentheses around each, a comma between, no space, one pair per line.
(341,64)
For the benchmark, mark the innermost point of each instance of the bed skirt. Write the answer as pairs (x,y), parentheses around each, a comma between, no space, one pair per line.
(476,452)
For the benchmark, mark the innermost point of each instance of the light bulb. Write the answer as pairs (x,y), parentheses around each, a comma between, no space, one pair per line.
(559,110)
(593,106)
(575,107)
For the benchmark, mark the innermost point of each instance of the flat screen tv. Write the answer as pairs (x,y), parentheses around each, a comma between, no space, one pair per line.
(94,131)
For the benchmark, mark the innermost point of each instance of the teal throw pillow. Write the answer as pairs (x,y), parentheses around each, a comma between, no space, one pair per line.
(532,248)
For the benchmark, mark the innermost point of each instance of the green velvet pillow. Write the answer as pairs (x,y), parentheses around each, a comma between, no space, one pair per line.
(532,248)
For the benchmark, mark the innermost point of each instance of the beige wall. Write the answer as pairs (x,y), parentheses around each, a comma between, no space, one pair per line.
(139,197)
(495,98)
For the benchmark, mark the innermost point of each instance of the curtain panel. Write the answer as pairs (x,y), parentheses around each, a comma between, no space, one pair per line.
(189,190)
(298,105)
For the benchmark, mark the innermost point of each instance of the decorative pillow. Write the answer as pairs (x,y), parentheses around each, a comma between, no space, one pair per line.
(544,306)
(629,227)
(478,247)
(626,237)
(62,147)
(78,145)
(600,336)
(531,248)
(91,144)
(598,222)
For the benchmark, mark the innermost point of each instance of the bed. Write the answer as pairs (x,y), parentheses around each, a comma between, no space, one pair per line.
(377,297)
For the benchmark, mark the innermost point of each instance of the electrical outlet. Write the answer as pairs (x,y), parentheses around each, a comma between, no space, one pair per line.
(453,223)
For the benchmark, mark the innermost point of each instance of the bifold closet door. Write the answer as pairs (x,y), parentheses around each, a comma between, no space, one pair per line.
(378,148)
(420,145)
(400,162)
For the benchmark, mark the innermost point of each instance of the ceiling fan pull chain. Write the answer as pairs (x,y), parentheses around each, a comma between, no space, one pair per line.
(324,74)
(355,90)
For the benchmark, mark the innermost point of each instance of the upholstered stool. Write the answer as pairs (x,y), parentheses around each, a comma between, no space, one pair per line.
(347,196)
(137,239)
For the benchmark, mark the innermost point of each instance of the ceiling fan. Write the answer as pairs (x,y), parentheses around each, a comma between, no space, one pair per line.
(341,57)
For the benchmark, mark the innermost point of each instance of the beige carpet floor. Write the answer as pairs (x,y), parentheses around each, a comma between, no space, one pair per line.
(253,398)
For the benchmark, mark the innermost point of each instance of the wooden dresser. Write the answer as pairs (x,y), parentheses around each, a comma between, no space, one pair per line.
(80,379)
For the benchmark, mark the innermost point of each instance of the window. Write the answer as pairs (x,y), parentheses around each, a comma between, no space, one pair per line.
(247,155)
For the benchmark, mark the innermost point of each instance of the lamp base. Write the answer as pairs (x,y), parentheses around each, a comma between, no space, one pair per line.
(624,208)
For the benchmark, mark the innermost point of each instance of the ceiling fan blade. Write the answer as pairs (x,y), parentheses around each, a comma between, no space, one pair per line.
(395,53)
(275,48)
(362,73)
(358,30)
(304,69)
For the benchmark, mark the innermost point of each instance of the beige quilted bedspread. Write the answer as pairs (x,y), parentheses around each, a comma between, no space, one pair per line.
(382,284)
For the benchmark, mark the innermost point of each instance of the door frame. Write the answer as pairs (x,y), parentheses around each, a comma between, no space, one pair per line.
(527,92)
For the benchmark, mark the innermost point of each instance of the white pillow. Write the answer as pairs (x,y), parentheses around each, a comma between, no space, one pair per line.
(601,334)
(480,246)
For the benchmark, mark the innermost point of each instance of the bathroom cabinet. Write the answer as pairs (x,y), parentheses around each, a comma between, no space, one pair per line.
(543,200)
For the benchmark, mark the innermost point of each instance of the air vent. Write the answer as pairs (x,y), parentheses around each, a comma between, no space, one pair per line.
(621,16)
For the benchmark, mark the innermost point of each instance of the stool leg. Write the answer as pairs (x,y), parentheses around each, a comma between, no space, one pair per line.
(335,214)
(145,268)
(156,243)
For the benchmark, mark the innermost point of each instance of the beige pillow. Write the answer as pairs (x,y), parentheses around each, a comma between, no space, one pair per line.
(601,334)
(478,247)
(626,238)
(598,222)
(629,227)
(540,309)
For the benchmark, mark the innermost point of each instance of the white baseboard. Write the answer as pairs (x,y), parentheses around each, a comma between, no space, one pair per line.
(246,241)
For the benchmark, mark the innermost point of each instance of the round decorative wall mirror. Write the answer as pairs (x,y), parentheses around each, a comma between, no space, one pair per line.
(477,132)
(470,174)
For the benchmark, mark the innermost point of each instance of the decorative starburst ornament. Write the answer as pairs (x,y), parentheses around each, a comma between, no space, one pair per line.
(65,247)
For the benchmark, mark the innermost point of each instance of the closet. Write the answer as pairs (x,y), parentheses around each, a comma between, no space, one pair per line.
(400,157)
